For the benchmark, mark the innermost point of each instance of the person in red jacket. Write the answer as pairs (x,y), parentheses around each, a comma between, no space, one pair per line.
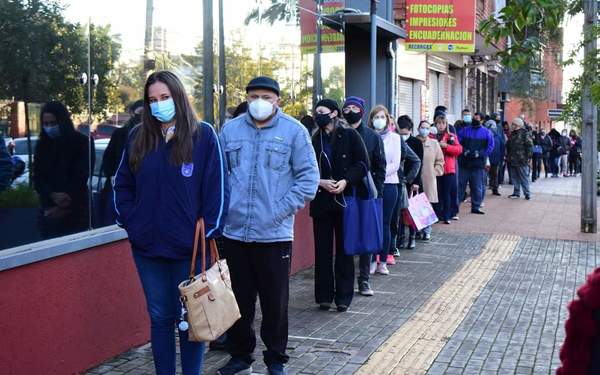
(447,189)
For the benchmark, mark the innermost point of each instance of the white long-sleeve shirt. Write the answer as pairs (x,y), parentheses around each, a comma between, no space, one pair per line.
(393,149)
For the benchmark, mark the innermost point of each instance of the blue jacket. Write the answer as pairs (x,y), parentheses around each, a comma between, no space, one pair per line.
(478,143)
(273,173)
(497,155)
(159,204)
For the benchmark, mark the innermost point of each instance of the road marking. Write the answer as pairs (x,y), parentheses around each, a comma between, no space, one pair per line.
(382,292)
(357,312)
(310,338)
(415,345)
(413,261)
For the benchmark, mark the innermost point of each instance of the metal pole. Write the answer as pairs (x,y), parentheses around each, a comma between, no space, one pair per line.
(148,34)
(373,91)
(589,135)
(222,69)
(317,82)
(207,62)
(89,92)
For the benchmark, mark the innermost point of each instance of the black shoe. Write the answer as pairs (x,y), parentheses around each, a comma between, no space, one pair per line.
(412,243)
(365,289)
(514,196)
(324,306)
(426,237)
(495,192)
(342,308)
(396,253)
(446,222)
(528,197)
(418,235)
(276,369)
(235,367)
(477,211)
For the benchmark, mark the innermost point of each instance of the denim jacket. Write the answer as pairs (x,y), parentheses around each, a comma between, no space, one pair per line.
(272,174)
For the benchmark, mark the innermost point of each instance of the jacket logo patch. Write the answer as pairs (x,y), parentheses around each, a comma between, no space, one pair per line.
(279,139)
(187,169)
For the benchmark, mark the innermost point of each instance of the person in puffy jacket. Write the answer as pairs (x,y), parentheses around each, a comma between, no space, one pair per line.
(497,156)
(447,189)
(172,172)
(519,150)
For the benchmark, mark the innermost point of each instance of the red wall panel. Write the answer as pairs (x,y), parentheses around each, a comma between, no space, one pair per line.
(70,313)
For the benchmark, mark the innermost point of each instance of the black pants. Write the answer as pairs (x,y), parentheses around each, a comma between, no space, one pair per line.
(493,175)
(536,166)
(261,269)
(447,191)
(574,163)
(546,165)
(332,282)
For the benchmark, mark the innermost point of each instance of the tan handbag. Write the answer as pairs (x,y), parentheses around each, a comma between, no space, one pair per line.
(210,305)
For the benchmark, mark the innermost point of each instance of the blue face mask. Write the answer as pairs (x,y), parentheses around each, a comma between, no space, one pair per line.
(468,119)
(164,111)
(424,132)
(52,131)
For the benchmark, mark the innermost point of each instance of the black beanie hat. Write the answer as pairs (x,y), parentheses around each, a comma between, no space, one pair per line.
(329,103)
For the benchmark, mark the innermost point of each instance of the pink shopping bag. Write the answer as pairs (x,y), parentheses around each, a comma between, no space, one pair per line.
(421,211)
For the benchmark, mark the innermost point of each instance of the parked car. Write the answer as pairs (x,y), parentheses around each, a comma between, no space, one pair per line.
(100,147)
(104,131)
(21,151)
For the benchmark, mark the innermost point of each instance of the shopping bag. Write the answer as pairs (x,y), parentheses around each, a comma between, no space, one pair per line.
(421,211)
(363,221)
(407,220)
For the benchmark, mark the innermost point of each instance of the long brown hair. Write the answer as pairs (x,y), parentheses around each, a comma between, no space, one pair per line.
(150,134)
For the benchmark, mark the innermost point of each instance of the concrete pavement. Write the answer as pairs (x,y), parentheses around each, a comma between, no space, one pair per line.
(487,295)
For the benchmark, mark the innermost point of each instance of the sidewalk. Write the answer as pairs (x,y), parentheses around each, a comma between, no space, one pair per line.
(487,295)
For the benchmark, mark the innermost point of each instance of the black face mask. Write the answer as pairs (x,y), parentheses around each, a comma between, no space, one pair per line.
(322,119)
(353,117)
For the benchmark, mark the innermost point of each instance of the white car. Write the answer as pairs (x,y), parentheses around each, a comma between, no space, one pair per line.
(22,152)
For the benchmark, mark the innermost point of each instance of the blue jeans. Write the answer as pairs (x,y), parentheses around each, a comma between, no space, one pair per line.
(520,175)
(160,278)
(390,204)
(476,179)
(446,196)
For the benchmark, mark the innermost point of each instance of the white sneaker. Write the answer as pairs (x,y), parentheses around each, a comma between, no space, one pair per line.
(373,268)
(382,269)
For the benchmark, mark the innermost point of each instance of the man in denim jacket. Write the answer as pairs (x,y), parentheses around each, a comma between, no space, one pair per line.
(272,174)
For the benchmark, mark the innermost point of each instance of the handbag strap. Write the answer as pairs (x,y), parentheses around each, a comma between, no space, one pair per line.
(200,233)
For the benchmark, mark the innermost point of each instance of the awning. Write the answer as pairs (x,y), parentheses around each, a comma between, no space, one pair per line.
(362,21)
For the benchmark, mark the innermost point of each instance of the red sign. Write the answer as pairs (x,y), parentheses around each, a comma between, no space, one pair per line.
(440,25)
(331,40)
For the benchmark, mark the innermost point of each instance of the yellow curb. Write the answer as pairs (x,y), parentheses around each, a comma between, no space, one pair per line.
(415,345)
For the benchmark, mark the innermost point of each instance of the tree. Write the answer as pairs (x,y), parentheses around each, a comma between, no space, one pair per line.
(334,84)
(527,26)
(44,56)
(279,10)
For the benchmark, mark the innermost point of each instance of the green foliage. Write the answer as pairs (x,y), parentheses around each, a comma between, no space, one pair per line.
(44,55)
(527,26)
(334,84)
(278,10)
(18,196)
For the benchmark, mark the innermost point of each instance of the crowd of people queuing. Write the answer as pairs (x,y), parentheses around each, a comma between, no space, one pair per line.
(249,178)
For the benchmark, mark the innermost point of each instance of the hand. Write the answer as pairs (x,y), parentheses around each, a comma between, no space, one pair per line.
(62,200)
(340,186)
(414,188)
(328,185)
(443,144)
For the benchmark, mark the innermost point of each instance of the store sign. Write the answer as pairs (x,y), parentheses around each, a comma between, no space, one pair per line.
(440,26)
(555,113)
(331,40)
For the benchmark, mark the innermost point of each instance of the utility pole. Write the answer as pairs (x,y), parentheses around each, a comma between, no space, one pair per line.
(222,69)
(208,73)
(373,91)
(148,35)
(590,117)
(317,82)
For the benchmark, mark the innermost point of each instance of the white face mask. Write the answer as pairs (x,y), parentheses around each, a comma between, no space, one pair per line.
(260,109)
(433,130)
(379,123)
(405,137)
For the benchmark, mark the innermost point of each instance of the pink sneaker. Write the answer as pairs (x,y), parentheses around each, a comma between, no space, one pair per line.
(390,260)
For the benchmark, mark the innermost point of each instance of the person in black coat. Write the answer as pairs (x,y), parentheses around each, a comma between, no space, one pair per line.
(410,165)
(343,162)
(60,173)
(405,126)
(354,110)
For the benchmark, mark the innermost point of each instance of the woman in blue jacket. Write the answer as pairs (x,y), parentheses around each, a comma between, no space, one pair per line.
(171,173)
